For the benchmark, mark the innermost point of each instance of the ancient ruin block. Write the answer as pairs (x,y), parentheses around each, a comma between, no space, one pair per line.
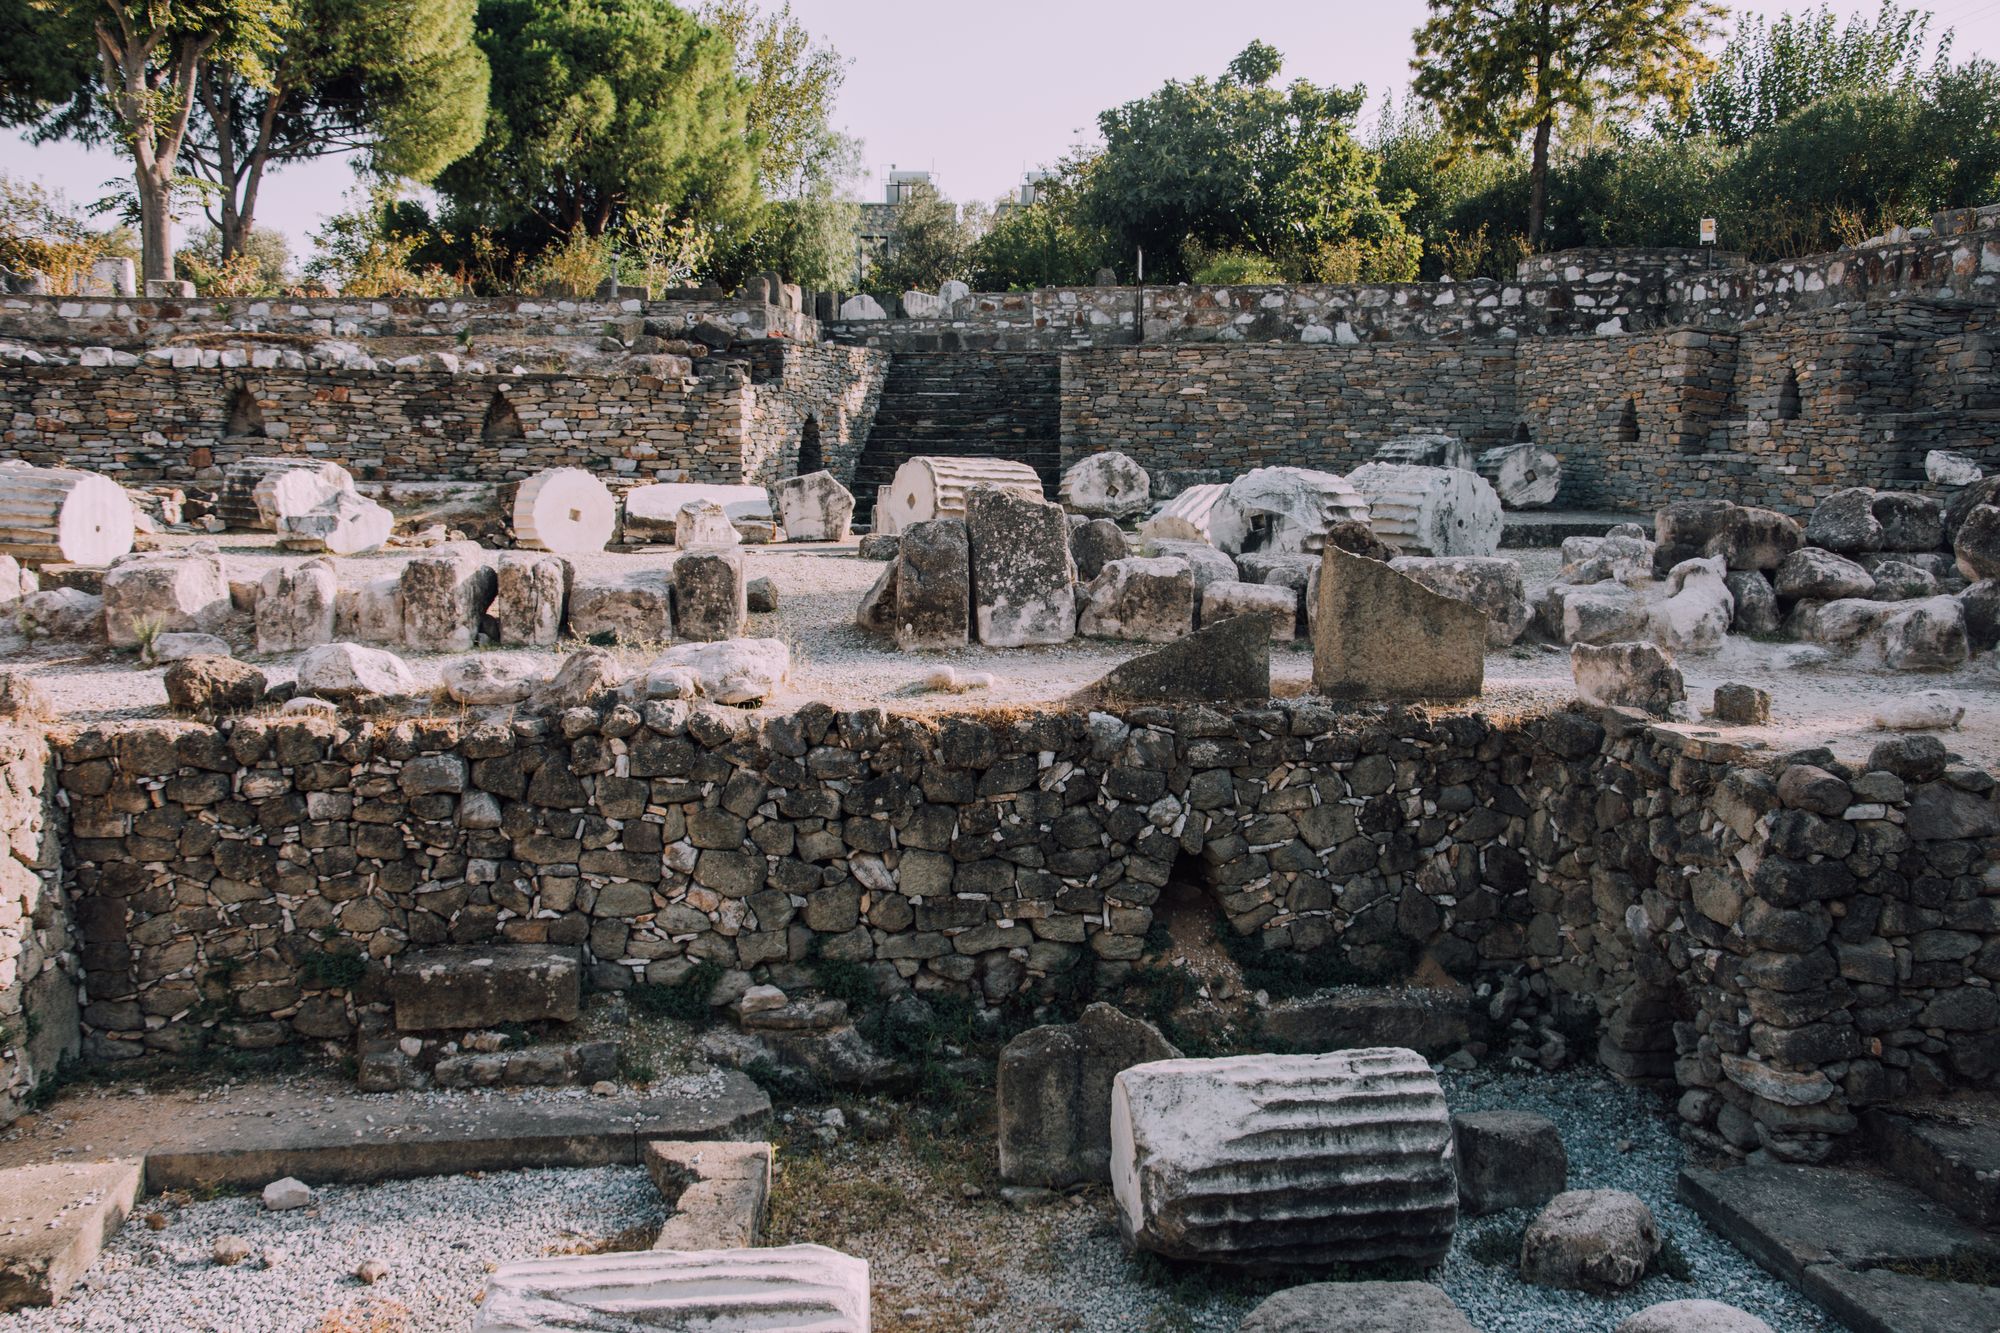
(1054,1095)
(802,1287)
(1228,658)
(1148,600)
(1319,1307)
(54,1220)
(1590,1240)
(488,679)
(1094,544)
(1491,583)
(1696,614)
(1627,675)
(342,524)
(1430,511)
(716,1192)
(56,515)
(444,594)
(1754,538)
(927,488)
(1020,568)
(631,607)
(933,586)
(1821,576)
(1682,530)
(1186,516)
(209,686)
(184,590)
(652,513)
(1277,606)
(1943,467)
(295,607)
(704,525)
(1107,485)
(710,601)
(1845,522)
(1910,522)
(566,510)
(813,508)
(1697,1316)
(1977,545)
(734,671)
(1427,450)
(1286,509)
(1207,564)
(1507,1159)
(237,503)
(1524,476)
(1379,634)
(530,593)
(458,988)
(1269,1162)
(370,612)
(345,672)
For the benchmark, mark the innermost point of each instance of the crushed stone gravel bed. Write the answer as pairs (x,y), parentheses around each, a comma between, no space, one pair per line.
(439,1237)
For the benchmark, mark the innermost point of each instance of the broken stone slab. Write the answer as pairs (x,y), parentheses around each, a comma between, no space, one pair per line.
(1696,615)
(1524,476)
(734,671)
(1270,1162)
(1379,634)
(1882,1300)
(565,510)
(444,594)
(807,1288)
(879,546)
(1278,607)
(1358,1307)
(1943,467)
(632,606)
(1095,544)
(238,502)
(1149,600)
(813,508)
(1491,583)
(1910,521)
(1845,522)
(1821,575)
(584,678)
(1106,485)
(1683,530)
(1951,1155)
(704,525)
(1226,659)
(1430,1021)
(369,612)
(295,606)
(544,1064)
(173,647)
(1626,560)
(1740,705)
(1285,509)
(1430,510)
(489,680)
(344,524)
(485,986)
(1020,567)
(933,586)
(1508,1159)
(1748,538)
(61,613)
(1590,1240)
(530,595)
(1053,1095)
(213,686)
(1925,635)
(716,1193)
(186,590)
(1186,516)
(1755,600)
(710,598)
(1627,675)
(876,611)
(347,673)
(1207,564)
(1428,450)
(54,1221)
(652,513)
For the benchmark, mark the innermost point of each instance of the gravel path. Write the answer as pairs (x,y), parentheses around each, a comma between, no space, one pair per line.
(438,1236)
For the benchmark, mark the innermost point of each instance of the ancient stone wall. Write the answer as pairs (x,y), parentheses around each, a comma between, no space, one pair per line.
(38,961)
(1830,949)
(801,392)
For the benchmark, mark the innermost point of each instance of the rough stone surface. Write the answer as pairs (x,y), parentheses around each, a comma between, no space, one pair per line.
(933,586)
(1822,576)
(1106,485)
(1508,1159)
(460,988)
(734,671)
(1021,570)
(1627,675)
(716,1193)
(710,599)
(1224,659)
(1150,600)
(54,1221)
(632,606)
(1590,1240)
(1845,522)
(295,607)
(530,594)
(211,686)
(1358,1307)
(1284,509)
(1697,1316)
(1276,606)
(1742,705)
(813,508)
(1491,583)
(1978,544)
(1756,603)
(347,672)
(485,681)
(184,590)
(1430,510)
(1379,634)
(1054,1095)
(801,1287)
(1754,538)
(444,595)
(1094,545)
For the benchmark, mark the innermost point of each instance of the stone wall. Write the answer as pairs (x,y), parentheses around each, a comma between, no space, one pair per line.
(1816,952)
(799,390)
(38,962)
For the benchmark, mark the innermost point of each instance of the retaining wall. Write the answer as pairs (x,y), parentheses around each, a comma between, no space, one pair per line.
(38,960)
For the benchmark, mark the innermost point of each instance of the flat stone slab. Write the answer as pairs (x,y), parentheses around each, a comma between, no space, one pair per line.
(486,986)
(716,1193)
(1432,1022)
(1791,1218)
(1547,527)
(1949,1148)
(54,1220)
(794,1288)
(1880,1301)
(251,1134)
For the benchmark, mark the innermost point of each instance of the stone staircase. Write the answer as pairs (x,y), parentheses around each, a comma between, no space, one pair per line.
(963,405)
(1906,1240)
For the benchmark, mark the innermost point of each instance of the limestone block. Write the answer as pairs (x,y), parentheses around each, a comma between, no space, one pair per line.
(1272,1161)
(1358,1307)
(1053,1095)
(1822,576)
(1942,467)
(1491,583)
(530,594)
(344,524)
(1524,476)
(1899,581)
(1682,530)
(1925,635)
(652,513)
(1626,560)
(1207,564)
(54,1221)
(61,613)
(926,488)
(813,508)
(1590,1240)
(444,595)
(565,510)
(1963,501)
(882,518)
(1926,710)
(1977,545)
(1094,544)
(1698,1316)
(174,647)
(1741,705)
(1379,634)
(1148,600)
(1594,613)
(735,671)
(211,686)
(1430,511)
(1754,538)
(185,590)
(877,609)
(584,678)
(1695,617)
(806,1288)
(933,586)
(951,293)
(1507,1159)
(1229,658)
(289,492)
(459,988)
(704,525)
(346,671)
(487,679)
(862,306)
(710,600)
(1428,450)
(878,546)
(1276,606)
(1186,516)
(1845,522)
(1982,614)
(635,606)
(1910,522)
(1286,509)
(921,305)
(237,503)
(1106,485)
(1755,600)
(370,612)
(716,1192)
(1627,675)
(1021,570)
(295,607)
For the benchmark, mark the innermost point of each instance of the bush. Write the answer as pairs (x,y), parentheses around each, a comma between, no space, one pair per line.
(42,232)
(1238,266)
(574,269)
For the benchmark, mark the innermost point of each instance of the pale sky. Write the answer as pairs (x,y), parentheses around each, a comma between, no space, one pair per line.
(978,94)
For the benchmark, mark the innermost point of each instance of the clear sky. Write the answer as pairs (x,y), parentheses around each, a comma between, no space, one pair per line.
(978,93)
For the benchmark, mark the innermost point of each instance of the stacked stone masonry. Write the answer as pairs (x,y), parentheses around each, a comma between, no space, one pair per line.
(38,958)
(1785,966)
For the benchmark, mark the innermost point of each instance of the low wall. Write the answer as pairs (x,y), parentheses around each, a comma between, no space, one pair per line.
(38,961)
(1787,963)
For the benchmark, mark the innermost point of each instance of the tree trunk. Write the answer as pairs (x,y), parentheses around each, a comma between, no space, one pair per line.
(1538,187)
(156,226)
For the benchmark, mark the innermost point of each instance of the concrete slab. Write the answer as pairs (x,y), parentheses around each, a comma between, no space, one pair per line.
(1880,1301)
(717,1193)
(54,1220)
(1791,1218)
(251,1134)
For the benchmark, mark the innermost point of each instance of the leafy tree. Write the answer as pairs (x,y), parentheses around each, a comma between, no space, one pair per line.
(1465,207)
(601,107)
(928,245)
(373,247)
(399,81)
(1238,164)
(793,85)
(125,72)
(1049,242)
(43,232)
(259,266)
(1770,70)
(1498,69)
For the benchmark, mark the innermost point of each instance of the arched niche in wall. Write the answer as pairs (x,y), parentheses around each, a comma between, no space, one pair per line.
(812,454)
(1521,435)
(1627,431)
(1788,396)
(246,415)
(502,421)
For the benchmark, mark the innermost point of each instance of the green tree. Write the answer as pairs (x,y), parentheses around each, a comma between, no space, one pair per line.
(1772,69)
(125,72)
(399,81)
(1238,164)
(1498,69)
(41,231)
(600,107)
(1466,207)
(1048,242)
(258,266)
(928,245)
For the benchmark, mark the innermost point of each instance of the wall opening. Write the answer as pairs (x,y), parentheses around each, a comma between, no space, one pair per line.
(1788,396)
(812,455)
(1628,422)
(1521,435)
(502,421)
(246,415)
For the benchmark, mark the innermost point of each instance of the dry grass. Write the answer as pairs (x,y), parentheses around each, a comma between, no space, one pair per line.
(371,1315)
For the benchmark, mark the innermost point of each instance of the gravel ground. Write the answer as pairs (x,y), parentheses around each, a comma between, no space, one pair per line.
(834,661)
(439,1237)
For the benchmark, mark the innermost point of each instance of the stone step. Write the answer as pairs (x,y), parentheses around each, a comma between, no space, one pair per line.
(486,986)
(54,1220)
(1948,1147)
(384,1066)
(1429,1021)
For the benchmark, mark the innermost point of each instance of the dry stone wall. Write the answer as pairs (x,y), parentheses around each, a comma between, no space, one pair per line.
(38,960)
(1767,954)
